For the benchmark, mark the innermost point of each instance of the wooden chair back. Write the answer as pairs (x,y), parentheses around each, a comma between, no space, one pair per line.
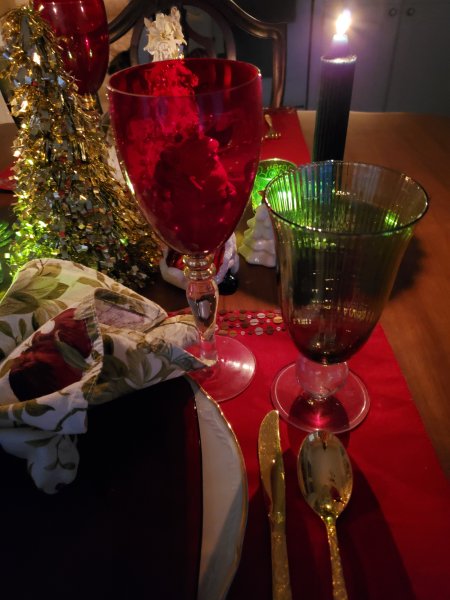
(225,14)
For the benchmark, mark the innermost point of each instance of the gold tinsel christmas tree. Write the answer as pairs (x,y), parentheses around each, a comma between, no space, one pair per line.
(68,203)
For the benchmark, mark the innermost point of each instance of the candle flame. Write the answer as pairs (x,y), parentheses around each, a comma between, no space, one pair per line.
(343,22)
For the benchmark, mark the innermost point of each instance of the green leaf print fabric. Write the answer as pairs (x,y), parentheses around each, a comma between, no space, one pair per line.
(71,337)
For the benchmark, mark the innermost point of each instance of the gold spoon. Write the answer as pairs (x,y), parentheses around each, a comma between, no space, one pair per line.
(272,134)
(326,480)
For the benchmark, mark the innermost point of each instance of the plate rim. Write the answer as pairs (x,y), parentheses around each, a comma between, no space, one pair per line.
(228,570)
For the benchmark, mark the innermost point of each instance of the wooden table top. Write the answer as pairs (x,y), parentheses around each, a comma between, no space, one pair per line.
(417,317)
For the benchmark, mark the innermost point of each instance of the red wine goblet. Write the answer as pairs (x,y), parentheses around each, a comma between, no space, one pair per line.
(82,30)
(189,134)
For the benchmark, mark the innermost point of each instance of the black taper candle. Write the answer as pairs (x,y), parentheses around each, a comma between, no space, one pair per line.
(335,94)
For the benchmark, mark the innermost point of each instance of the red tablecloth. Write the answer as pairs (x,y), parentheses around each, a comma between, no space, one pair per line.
(395,533)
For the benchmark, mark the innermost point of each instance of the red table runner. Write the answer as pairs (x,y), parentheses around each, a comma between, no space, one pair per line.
(395,533)
(291,145)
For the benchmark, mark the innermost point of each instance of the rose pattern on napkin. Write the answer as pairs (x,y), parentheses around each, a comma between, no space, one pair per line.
(71,337)
(54,359)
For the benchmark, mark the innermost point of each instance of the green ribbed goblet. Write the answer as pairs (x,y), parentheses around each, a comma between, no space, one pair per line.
(341,231)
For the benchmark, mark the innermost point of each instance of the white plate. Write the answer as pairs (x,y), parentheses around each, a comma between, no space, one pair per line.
(225,499)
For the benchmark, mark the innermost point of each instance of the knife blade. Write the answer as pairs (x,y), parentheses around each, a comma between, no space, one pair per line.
(272,477)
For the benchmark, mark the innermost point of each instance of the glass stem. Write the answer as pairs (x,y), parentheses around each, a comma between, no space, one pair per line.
(202,295)
(318,380)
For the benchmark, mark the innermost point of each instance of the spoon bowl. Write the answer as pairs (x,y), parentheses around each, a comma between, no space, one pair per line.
(326,479)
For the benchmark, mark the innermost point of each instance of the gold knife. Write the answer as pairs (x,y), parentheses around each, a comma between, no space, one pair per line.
(272,477)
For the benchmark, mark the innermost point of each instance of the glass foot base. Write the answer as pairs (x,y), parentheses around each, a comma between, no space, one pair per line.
(342,411)
(232,373)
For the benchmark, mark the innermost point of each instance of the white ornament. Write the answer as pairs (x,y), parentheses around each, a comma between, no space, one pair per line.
(165,36)
(258,245)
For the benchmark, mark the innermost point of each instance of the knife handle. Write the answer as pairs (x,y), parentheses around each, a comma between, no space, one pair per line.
(281,585)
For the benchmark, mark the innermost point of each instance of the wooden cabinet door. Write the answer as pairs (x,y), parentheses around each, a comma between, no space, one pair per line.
(420,78)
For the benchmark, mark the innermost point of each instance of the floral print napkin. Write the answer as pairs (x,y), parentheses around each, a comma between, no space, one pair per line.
(71,337)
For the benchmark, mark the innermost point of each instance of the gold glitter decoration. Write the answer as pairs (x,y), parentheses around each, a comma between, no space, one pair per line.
(68,203)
